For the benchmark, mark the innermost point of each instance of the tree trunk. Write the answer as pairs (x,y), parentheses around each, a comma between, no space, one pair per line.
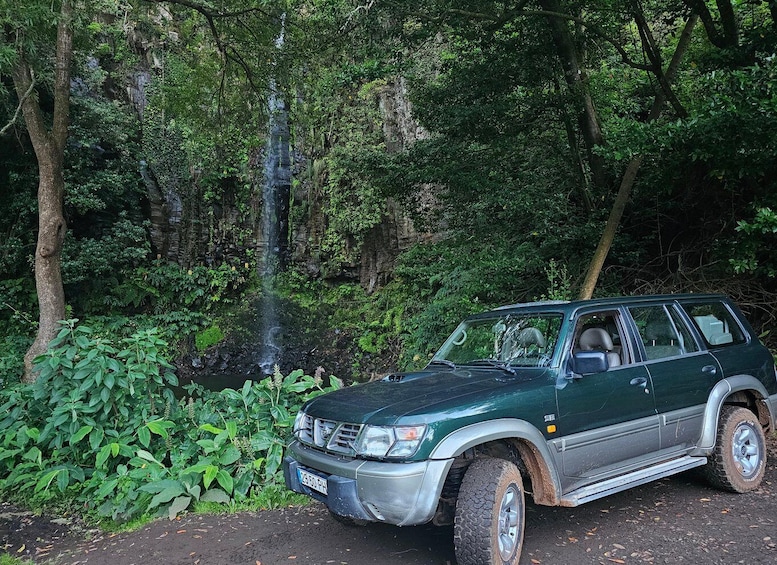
(730,36)
(49,149)
(610,229)
(630,175)
(577,81)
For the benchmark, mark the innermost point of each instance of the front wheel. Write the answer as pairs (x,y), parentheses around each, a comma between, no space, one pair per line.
(739,461)
(489,514)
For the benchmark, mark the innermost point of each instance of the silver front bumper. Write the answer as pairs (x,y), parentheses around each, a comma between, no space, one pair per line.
(404,494)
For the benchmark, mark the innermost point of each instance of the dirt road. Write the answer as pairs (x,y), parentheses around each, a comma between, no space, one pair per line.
(675,520)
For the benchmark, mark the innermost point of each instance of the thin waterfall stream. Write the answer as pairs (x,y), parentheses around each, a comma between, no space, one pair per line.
(275,195)
(254,354)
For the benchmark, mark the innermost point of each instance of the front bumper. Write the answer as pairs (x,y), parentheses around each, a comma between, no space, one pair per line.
(403,494)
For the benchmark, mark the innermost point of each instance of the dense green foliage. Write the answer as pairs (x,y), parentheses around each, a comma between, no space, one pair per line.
(505,176)
(102,428)
(464,118)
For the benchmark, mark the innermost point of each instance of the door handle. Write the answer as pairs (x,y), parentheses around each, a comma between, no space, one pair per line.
(638,381)
(709,369)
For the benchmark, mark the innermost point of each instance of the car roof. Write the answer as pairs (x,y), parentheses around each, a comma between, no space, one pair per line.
(570,306)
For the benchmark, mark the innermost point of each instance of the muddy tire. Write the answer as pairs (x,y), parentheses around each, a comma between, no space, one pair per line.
(739,461)
(489,524)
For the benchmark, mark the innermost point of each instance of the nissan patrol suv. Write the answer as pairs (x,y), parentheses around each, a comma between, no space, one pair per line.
(565,401)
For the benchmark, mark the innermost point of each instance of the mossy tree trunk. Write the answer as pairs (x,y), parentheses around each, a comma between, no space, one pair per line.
(49,146)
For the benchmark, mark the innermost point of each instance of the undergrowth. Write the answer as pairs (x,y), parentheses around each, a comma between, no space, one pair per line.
(101,430)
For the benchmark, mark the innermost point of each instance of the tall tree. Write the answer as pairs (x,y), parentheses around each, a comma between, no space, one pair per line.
(49,145)
(576,78)
(630,174)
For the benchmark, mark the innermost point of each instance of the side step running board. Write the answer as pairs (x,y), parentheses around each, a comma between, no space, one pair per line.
(635,478)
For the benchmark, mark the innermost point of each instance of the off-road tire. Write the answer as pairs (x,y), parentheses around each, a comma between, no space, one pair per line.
(490,506)
(348,521)
(739,460)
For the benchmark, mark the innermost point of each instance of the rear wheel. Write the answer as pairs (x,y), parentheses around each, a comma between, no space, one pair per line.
(489,514)
(739,461)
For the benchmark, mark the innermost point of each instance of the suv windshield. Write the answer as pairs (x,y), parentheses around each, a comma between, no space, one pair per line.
(513,339)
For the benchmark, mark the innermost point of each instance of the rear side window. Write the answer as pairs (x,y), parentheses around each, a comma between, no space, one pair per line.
(662,332)
(715,323)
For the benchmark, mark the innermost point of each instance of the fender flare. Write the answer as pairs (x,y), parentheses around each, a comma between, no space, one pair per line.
(532,446)
(720,392)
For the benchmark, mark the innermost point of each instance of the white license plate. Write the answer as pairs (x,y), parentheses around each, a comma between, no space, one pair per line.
(312,481)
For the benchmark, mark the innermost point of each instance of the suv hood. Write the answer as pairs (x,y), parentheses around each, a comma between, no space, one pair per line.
(421,393)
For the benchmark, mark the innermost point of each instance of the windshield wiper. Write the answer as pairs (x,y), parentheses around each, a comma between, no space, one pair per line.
(496,364)
(450,364)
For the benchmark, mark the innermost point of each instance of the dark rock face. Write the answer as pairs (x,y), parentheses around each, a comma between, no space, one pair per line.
(304,343)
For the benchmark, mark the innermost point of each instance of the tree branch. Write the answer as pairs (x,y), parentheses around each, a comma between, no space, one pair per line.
(520,11)
(18,111)
(227,52)
(700,7)
(596,30)
(33,116)
(210,13)
(654,56)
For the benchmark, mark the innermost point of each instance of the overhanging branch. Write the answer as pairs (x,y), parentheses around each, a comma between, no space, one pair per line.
(18,111)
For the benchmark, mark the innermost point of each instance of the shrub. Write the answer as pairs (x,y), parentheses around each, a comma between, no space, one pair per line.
(207,337)
(102,428)
(165,286)
(12,350)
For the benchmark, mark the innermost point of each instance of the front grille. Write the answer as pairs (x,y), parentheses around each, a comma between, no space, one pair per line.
(328,435)
(345,438)
(322,432)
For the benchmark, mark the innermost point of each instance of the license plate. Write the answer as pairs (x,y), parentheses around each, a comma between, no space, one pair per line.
(312,481)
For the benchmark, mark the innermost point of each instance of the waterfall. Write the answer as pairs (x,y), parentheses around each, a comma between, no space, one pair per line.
(275,198)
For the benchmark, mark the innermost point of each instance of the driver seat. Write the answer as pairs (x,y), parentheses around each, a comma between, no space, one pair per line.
(597,339)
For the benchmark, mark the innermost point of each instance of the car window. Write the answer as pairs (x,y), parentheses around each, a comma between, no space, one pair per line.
(715,323)
(602,331)
(662,332)
(518,340)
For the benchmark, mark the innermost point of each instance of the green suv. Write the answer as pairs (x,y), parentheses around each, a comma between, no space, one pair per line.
(567,401)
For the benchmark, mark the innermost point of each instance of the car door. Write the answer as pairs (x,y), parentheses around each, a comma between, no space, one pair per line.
(682,373)
(608,418)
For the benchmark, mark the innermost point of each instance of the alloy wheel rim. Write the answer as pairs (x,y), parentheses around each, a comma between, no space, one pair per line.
(509,515)
(746,450)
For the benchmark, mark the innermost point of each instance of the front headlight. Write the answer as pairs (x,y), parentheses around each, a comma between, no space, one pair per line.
(389,441)
(298,421)
(303,427)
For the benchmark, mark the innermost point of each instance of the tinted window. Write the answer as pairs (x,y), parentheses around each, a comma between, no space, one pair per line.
(662,332)
(715,323)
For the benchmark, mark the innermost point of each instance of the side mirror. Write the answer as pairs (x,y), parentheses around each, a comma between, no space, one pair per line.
(588,363)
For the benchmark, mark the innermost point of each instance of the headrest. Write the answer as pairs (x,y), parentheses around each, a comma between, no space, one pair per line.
(595,338)
(530,336)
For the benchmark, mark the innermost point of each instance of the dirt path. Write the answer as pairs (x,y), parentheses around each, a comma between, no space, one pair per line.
(676,520)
